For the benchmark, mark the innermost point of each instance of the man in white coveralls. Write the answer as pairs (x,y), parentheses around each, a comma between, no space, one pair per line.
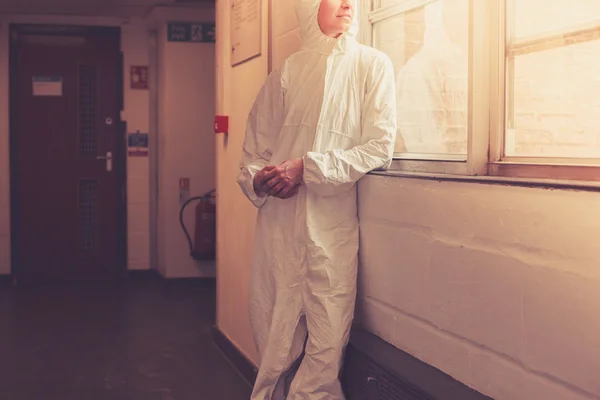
(321,121)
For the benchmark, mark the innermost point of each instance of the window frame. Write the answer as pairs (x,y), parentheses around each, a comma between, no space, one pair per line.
(488,53)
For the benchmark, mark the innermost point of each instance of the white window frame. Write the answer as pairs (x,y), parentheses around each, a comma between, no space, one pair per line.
(486,100)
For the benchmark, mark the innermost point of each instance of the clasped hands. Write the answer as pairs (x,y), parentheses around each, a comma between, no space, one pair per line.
(282,181)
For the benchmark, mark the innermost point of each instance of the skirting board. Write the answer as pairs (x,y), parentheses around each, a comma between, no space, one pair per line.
(425,381)
(244,366)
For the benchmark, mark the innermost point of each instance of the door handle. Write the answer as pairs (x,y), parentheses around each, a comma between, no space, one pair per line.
(108,157)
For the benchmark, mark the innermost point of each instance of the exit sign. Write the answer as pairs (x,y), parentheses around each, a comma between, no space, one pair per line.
(191,32)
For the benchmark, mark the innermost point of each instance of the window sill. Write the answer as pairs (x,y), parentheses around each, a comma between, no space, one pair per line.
(592,186)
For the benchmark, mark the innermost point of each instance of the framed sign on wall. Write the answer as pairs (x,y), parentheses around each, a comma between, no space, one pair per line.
(246,38)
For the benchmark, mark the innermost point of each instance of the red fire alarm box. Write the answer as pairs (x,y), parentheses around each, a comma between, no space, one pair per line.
(139,77)
(221,124)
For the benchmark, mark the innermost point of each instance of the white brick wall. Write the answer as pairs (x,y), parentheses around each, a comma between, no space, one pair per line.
(556,102)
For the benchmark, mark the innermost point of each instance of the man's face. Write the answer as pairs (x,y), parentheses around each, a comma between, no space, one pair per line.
(335,16)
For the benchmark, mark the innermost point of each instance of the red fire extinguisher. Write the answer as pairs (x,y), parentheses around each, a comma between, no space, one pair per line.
(205,228)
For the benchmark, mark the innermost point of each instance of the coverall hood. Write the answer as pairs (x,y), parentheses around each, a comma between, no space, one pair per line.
(312,35)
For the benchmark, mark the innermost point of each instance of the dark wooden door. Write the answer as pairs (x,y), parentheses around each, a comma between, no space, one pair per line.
(67,132)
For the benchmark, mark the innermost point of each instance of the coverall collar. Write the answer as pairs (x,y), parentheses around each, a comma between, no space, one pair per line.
(312,36)
(329,45)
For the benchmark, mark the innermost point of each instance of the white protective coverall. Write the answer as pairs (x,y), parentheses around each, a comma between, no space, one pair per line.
(334,104)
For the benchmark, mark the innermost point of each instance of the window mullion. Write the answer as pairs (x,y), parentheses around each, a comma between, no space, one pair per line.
(561,38)
(480,18)
(498,79)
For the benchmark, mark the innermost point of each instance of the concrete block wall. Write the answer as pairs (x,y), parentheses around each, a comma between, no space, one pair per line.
(498,286)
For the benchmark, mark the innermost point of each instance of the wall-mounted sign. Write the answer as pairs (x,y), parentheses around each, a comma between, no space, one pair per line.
(184,190)
(139,77)
(47,85)
(191,32)
(246,33)
(137,144)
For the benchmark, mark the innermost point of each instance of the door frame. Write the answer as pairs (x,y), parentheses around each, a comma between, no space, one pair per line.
(120,164)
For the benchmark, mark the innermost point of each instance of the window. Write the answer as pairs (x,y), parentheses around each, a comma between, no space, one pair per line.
(493,87)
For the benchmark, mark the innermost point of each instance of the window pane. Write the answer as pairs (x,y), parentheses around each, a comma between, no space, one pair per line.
(429,49)
(554,93)
(557,15)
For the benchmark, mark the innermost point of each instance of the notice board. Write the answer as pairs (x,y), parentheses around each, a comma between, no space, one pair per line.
(246,38)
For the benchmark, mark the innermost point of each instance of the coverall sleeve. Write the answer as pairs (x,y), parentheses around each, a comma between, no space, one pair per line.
(337,170)
(262,129)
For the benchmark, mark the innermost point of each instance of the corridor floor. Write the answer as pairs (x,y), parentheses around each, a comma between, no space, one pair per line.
(147,339)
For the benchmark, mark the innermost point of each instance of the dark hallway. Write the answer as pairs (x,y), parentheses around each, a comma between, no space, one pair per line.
(147,339)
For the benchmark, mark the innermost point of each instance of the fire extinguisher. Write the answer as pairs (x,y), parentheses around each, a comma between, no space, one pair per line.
(205,227)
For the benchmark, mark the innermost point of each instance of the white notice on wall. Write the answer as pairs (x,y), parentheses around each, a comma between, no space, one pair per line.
(245,30)
(47,86)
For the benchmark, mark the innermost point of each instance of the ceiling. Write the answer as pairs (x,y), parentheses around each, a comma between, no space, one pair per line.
(119,8)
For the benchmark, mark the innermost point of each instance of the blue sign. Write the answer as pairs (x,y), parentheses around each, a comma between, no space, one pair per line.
(191,32)
(138,144)
(138,140)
